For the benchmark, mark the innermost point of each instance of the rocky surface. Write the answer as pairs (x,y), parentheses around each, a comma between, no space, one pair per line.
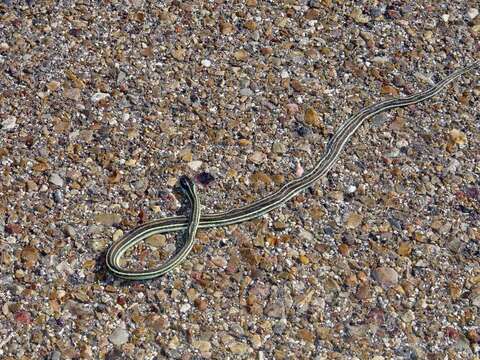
(103,105)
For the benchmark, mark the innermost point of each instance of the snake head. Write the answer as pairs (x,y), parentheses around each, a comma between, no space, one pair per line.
(185,182)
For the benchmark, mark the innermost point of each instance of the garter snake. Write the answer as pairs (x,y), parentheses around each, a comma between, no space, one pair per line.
(260,207)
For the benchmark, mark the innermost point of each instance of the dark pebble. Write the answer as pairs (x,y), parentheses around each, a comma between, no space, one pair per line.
(204,178)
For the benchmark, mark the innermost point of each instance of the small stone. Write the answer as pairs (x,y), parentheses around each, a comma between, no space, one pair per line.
(53,85)
(304,260)
(29,256)
(206,63)
(472,13)
(457,137)
(306,335)
(292,108)
(31,186)
(226,28)
(58,196)
(353,220)
(476,29)
(69,230)
(202,345)
(99,97)
(405,249)
(219,261)
(72,94)
(299,169)
(107,219)
(359,17)
(185,308)
(204,178)
(246,92)
(179,54)
(117,234)
(238,348)
(55,179)
(240,55)
(195,165)
(119,336)
(9,123)
(257,157)
(386,276)
(23,317)
(250,25)
(279,148)
(200,304)
(157,240)
(311,117)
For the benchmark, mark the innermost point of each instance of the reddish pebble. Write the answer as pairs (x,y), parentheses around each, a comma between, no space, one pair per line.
(13,229)
(23,317)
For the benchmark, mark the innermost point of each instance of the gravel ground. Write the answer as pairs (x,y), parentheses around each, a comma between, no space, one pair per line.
(104,104)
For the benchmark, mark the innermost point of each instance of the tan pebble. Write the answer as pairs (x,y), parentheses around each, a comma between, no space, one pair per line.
(353,220)
(195,165)
(179,54)
(304,259)
(404,249)
(336,195)
(239,348)
(388,90)
(157,240)
(363,292)
(258,177)
(107,219)
(266,51)
(53,85)
(250,25)
(476,29)
(202,345)
(257,157)
(386,276)
(226,28)
(297,85)
(29,256)
(306,335)
(241,55)
(72,93)
(344,249)
(457,137)
(311,117)
(200,304)
(186,154)
(251,3)
(358,16)
(219,261)
(279,148)
(117,234)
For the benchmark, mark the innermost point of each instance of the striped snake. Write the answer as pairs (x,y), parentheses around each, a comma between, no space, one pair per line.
(260,207)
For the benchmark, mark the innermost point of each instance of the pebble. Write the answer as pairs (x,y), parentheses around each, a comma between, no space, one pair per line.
(157,240)
(99,97)
(202,345)
(56,179)
(119,336)
(386,276)
(472,13)
(207,63)
(246,92)
(195,165)
(9,123)
(107,219)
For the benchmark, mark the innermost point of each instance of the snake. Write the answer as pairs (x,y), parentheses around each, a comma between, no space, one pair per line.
(197,220)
